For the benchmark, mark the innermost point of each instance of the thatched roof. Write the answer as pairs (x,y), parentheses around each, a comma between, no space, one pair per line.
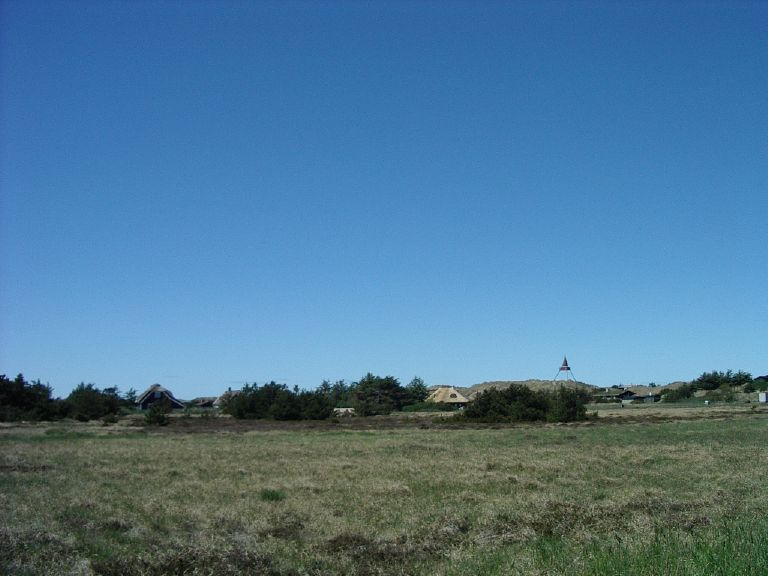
(221,400)
(204,401)
(157,388)
(447,395)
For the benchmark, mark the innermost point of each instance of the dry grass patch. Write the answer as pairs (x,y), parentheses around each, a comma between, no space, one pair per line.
(406,501)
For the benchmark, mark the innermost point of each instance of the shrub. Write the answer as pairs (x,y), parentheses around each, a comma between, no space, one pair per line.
(567,405)
(430,407)
(518,403)
(87,402)
(269,495)
(676,394)
(157,415)
(714,380)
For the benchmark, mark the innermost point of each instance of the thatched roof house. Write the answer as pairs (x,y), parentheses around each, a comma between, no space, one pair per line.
(447,395)
(157,393)
(204,402)
(221,401)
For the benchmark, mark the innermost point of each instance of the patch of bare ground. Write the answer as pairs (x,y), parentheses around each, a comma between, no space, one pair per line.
(229,561)
(672,412)
(195,424)
(443,420)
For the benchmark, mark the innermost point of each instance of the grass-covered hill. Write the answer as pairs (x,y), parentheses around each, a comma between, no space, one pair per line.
(538,385)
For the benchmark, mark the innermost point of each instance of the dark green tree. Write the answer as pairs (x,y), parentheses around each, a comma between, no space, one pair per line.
(87,402)
(285,405)
(129,399)
(374,395)
(417,390)
(157,414)
(338,393)
(518,403)
(278,402)
(315,405)
(715,380)
(566,405)
(22,400)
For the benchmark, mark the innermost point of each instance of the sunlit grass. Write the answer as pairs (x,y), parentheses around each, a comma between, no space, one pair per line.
(615,499)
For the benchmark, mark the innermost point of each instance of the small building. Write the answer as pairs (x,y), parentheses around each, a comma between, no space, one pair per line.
(614,395)
(343,412)
(204,402)
(762,397)
(447,395)
(157,393)
(644,394)
(222,400)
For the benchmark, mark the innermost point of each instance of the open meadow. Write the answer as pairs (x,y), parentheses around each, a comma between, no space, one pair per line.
(626,494)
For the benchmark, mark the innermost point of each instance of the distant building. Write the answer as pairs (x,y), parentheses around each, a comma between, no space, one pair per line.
(447,395)
(222,400)
(204,402)
(762,397)
(157,393)
(628,395)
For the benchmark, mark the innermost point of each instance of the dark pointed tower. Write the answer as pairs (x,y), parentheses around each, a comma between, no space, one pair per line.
(565,369)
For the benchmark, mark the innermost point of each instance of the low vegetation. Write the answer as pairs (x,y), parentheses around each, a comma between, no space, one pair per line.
(370,396)
(722,386)
(565,499)
(32,400)
(518,403)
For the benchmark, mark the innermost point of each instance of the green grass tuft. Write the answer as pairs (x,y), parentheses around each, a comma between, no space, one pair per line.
(269,495)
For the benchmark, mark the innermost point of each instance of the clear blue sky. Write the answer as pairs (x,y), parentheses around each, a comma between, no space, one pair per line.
(206,193)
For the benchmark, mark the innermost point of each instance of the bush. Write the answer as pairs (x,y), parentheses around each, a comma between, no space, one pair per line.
(430,407)
(676,394)
(567,405)
(157,414)
(518,403)
(109,419)
(268,495)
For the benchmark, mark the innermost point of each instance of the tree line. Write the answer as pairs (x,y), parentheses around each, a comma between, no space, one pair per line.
(33,400)
(718,386)
(371,395)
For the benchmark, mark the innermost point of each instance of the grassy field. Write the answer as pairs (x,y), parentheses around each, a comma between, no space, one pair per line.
(681,496)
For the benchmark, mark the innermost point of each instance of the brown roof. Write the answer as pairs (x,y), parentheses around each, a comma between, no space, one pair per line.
(221,400)
(164,391)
